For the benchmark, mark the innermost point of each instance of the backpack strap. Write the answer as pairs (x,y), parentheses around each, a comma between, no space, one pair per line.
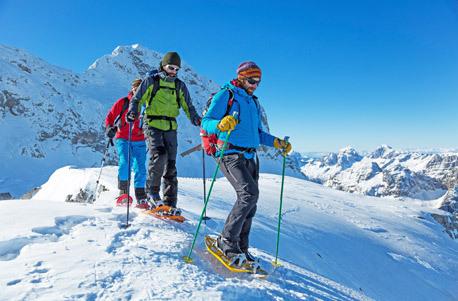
(230,101)
(156,83)
(177,91)
(125,106)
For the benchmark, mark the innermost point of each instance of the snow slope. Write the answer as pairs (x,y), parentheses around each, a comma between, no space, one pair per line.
(334,246)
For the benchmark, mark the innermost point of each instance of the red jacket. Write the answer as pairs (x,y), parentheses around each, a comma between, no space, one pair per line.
(123,126)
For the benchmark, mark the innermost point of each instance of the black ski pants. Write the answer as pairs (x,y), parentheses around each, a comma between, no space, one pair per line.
(243,174)
(162,146)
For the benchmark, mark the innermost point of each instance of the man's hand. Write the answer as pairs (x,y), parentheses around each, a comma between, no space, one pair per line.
(283,145)
(131,115)
(111,131)
(228,123)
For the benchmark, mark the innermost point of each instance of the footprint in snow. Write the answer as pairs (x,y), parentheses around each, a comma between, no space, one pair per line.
(13,282)
(39,271)
(10,249)
(105,210)
(376,229)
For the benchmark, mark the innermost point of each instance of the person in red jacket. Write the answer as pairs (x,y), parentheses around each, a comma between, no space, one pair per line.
(117,127)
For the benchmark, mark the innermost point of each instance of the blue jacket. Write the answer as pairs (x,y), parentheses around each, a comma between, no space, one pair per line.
(248,132)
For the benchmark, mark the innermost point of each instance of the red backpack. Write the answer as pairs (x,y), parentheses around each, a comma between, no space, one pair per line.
(210,141)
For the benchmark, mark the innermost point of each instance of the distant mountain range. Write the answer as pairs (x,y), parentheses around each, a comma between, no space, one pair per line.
(386,172)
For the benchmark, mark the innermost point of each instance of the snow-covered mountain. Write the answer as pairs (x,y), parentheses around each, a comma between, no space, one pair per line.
(387,172)
(51,117)
(333,246)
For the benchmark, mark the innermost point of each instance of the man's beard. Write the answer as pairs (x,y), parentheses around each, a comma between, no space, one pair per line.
(249,90)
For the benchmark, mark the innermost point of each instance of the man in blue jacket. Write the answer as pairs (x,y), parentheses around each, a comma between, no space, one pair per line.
(240,164)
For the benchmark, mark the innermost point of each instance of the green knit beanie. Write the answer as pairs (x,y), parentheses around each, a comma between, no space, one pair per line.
(171,58)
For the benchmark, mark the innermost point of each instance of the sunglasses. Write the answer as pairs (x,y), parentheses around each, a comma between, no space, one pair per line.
(171,68)
(252,81)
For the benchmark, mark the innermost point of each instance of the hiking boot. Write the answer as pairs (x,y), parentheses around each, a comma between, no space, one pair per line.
(143,204)
(140,193)
(155,199)
(231,250)
(174,211)
(170,203)
(123,185)
(250,257)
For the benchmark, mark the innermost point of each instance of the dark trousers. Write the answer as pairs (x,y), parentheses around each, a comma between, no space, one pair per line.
(162,146)
(243,174)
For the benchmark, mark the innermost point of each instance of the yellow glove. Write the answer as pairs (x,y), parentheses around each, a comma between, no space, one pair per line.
(228,123)
(283,145)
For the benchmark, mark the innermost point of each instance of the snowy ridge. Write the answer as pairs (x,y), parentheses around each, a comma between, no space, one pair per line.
(400,174)
(334,246)
(53,117)
(386,172)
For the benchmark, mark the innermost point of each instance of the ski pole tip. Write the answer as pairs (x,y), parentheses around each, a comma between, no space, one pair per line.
(276,264)
(187,259)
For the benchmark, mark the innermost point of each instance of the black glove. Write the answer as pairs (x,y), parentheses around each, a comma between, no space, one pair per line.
(197,121)
(111,131)
(131,115)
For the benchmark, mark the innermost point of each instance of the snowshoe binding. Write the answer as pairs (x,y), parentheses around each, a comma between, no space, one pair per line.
(121,200)
(234,262)
(143,204)
(163,211)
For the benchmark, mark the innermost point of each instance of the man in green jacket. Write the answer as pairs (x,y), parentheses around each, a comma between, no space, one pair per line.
(163,94)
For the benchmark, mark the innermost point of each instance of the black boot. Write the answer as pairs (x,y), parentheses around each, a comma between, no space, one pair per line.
(171,203)
(249,257)
(229,248)
(123,187)
(140,193)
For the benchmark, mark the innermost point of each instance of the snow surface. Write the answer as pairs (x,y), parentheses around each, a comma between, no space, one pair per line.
(334,246)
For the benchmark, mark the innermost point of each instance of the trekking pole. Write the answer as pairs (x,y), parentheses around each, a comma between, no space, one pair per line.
(204,178)
(110,141)
(128,177)
(188,258)
(275,263)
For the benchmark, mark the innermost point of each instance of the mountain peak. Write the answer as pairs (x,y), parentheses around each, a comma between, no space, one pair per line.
(347,156)
(347,149)
(383,151)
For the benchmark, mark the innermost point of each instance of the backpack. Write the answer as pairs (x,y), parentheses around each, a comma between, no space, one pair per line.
(210,141)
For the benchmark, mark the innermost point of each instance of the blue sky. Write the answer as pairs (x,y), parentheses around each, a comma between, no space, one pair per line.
(335,73)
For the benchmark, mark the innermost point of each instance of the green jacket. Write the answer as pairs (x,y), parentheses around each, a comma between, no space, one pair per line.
(164,107)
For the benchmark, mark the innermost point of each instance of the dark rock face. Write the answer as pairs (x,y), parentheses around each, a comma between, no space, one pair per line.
(449,222)
(450,203)
(5,196)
